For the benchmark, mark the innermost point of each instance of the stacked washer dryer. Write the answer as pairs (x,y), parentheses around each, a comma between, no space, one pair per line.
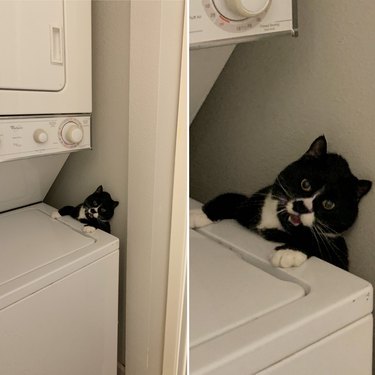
(58,285)
(246,316)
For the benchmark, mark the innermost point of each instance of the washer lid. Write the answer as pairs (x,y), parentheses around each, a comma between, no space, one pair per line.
(227,292)
(30,239)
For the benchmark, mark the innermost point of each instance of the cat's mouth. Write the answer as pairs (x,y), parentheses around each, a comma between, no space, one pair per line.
(295,219)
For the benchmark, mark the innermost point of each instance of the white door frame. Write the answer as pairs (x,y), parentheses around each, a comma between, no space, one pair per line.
(156,34)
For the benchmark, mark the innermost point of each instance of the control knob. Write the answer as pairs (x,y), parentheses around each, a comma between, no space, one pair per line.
(248,8)
(40,136)
(72,133)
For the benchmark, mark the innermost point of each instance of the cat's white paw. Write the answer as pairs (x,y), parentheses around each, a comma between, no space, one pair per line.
(55,215)
(288,258)
(88,229)
(198,218)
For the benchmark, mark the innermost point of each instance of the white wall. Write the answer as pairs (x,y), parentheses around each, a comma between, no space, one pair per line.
(275,96)
(107,163)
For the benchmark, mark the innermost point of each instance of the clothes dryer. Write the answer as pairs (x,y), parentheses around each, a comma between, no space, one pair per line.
(247,317)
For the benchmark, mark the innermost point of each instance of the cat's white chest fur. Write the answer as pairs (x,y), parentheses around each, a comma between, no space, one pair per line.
(269,219)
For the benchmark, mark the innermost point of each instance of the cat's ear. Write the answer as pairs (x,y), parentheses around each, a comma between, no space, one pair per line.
(318,147)
(363,188)
(99,190)
(115,203)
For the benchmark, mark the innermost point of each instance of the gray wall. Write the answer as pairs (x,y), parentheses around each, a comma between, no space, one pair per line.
(107,162)
(275,96)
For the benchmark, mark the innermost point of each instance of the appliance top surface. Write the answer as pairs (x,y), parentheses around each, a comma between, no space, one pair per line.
(31,239)
(36,250)
(226,291)
(265,313)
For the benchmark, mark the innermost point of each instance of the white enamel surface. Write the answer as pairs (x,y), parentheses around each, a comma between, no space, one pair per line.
(27,181)
(226,291)
(205,66)
(26,37)
(37,59)
(345,352)
(37,250)
(40,241)
(67,327)
(334,299)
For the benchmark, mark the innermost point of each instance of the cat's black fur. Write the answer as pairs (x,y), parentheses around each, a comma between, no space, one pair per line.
(329,181)
(96,211)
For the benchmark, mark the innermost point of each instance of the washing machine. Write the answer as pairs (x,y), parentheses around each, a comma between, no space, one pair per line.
(248,317)
(58,296)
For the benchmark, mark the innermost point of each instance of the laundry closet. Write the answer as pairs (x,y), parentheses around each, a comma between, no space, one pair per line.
(92,93)
(256,104)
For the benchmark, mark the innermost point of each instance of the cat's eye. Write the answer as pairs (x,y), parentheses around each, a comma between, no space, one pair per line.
(103,210)
(305,185)
(95,203)
(328,205)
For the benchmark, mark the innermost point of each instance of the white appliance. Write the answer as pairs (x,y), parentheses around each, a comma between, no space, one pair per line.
(58,296)
(218,22)
(45,65)
(58,286)
(247,317)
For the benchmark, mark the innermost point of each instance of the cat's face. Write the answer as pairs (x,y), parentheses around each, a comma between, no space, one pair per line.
(99,205)
(319,192)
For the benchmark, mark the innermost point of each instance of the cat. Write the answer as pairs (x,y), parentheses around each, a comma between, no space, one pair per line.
(96,211)
(311,203)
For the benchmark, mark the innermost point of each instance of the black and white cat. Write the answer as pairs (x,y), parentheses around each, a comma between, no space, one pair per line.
(96,211)
(311,203)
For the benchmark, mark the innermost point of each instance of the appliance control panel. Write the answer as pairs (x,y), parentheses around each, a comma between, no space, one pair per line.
(24,137)
(219,22)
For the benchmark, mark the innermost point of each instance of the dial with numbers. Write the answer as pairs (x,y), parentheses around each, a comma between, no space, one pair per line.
(236,15)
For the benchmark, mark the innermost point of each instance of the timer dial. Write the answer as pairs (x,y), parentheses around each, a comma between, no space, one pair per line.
(71,133)
(236,16)
(247,8)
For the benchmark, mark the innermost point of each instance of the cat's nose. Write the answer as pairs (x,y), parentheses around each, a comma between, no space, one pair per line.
(92,210)
(300,208)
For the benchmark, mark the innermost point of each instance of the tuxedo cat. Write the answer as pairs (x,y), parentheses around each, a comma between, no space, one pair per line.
(311,203)
(96,211)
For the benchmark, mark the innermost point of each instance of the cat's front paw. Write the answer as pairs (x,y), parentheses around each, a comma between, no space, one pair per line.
(198,218)
(288,258)
(88,229)
(55,215)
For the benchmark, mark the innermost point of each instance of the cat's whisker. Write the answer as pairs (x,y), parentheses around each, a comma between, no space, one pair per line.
(325,226)
(283,188)
(320,235)
(330,245)
(315,234)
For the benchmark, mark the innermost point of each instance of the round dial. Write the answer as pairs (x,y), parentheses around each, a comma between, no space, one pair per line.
(71,133)
(236,16)
(247,8)
(40,136)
